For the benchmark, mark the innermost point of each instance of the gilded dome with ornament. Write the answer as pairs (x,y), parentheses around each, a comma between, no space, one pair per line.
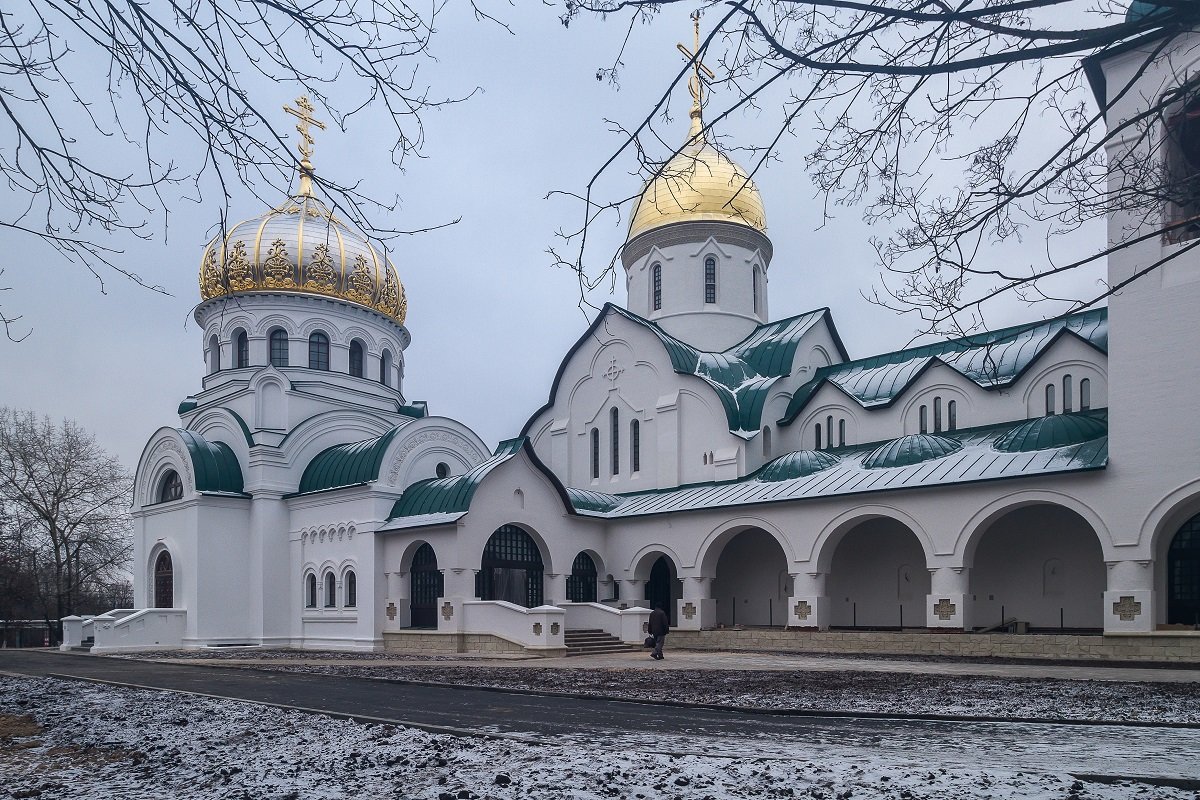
(302,248)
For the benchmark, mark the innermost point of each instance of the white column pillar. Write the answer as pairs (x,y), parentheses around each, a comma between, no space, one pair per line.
(948,604)
(1129,599)
(697,610)
(808,607)
(459,586)
(633,594)
(554,588)
(398,605)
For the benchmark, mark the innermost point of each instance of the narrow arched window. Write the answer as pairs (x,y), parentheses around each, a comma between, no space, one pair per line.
(766,441)
(755,291)
(710,280)
(614,433)
(1049,399)
(841,433)
(656,290)
(310,591)
(937,415)
(279,348)
(242,345)
(1085,394)
(635,446)
(595,453)
(923,415)
(351,589)
(829,430)
(817,436)
(1068,395)
(171,487)
(318,351)
(214,355)
(330,590)
(356,358)
(385,368)
(952,415)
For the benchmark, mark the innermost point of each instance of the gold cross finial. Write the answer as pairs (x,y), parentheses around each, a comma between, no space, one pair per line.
(305,115)
(699,70)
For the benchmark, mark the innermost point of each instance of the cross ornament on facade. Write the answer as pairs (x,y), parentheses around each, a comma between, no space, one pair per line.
(689,610)
(802,610)
(305,114)
(1127,608)
(613,372)
(447,611)
(391,611)
(945,609)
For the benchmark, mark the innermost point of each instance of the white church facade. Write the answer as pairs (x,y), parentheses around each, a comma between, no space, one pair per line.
(693,452)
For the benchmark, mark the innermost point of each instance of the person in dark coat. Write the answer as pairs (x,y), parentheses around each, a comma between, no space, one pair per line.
(658,628)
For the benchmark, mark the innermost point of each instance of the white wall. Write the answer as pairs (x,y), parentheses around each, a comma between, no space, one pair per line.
(751,586)
(878,568)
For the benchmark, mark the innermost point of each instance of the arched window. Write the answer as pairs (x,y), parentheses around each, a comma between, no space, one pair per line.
(427,585)
(615,436)
(710,280)
(635,446)
(310,591)
(330,590)
(1068,395)
(242,346)
(829,431)
(656,288)
(1049,399)
(817,436)
(581,583)
(214,355)
(766,441)
(318,351)
(1085,394)
(952,415)
(595,453)
(923,415)
(164,581)
(841,433)
(171,487)
(279,348)
(385,368)
(937,415)
(442,470)
(755,290)
(510,568)
(351,589)
(356,358)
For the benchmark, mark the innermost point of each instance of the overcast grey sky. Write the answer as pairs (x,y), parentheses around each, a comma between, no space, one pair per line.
(490,318)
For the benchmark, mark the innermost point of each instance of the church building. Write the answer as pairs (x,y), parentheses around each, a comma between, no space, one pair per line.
(743,471)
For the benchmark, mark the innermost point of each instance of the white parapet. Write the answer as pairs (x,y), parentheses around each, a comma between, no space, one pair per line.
(539,628)
(126,629)
(627,624)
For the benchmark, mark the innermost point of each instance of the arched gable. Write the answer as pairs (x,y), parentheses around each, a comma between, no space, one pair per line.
(831,535)
(430,438)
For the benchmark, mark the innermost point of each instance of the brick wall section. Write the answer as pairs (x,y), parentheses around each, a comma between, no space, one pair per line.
(1162,647)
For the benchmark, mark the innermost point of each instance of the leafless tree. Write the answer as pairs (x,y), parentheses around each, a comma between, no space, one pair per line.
(63,513)
(953,127)
(91,90)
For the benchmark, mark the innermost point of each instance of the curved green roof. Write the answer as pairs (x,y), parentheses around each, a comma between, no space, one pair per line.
(797,464)
(216,467)
(1044,433)
(587,500)
(346,464)
(911,449)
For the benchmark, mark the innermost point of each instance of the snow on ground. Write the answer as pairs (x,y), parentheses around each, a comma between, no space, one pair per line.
(66,739)
(893,692)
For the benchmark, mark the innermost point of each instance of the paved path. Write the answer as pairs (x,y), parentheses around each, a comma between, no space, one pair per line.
(1115,750)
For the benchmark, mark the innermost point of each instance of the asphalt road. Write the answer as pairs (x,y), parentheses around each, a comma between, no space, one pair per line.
(1092,750)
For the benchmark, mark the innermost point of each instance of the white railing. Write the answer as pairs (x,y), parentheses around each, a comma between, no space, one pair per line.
(539,628)
(129,629)
(627,624)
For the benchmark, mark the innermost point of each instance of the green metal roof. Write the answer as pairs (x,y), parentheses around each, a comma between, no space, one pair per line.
(586,500)
(346,464)
(991,359)
(797,464)
(1059,430)
(442,496)
(911,449)
(216,467)
(186,405)
(975,460)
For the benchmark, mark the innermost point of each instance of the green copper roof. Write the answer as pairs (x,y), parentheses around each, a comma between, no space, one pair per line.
(346,464)
(186,405)
(1058,430)
(797,465)
(585,500)
(441,496)
(911,449)
(991,359)
(216,467)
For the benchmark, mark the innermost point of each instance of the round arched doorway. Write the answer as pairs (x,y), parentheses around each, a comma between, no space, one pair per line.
(662,587)
(1183,575)
(164,581)
(511,568)
(427,587)
(581,583)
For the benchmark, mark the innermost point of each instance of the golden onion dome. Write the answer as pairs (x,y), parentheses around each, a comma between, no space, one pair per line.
(302,248)
(699,184)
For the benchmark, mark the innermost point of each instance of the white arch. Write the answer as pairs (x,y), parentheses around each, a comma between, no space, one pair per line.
(968,538)
(715,541)
(1167,515)
(267,323)
(165,450)
(831,535)
(641,562)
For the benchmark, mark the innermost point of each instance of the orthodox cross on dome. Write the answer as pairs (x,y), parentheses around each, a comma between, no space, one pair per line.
(305,115)
(699,70)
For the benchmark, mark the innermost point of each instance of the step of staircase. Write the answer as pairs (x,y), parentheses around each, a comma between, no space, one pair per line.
(594,642)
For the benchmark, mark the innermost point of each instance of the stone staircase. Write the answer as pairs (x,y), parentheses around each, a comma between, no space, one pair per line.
(593,642)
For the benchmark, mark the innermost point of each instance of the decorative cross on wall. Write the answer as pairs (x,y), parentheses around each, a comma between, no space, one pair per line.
(802,610)
(944,609)
(1127,609)
(447,611)
(613,372)
(391,611)
(689,610)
